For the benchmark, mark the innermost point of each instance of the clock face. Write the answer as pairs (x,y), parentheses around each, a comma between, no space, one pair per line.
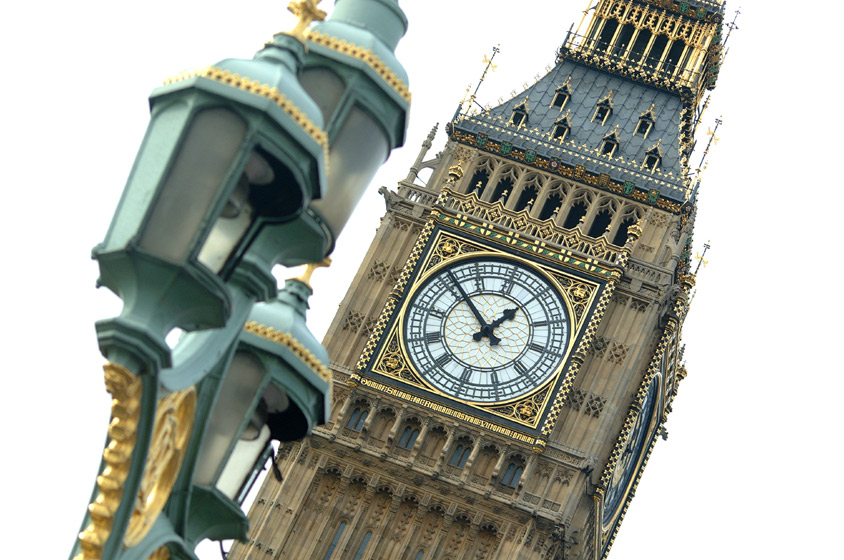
(632,452)
(486,329)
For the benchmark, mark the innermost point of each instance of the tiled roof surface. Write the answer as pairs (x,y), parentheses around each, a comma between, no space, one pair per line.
(582,145)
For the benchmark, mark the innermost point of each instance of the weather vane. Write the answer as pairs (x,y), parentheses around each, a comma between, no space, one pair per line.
(699,258)
(490,67)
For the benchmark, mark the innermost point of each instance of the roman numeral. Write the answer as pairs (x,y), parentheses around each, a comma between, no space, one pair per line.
(537,347)
(433,337)
(525,372)
(443,360)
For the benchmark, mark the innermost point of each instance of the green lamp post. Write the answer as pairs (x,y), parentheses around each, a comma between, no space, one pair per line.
(245,165)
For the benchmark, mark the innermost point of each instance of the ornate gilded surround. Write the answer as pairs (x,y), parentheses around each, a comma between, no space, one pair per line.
(386,365)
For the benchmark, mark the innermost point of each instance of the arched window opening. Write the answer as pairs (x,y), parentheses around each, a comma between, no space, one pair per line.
(623,41)
(408,437)
(512,475)
(513,472)
(646,121)
(551,206)
(461,453)
(673,57)
(478,181)
(656,50)
(561,96)
(620,237)
(561,128)
(610,143)
(528,197)
(363,544)
(502,189)
(577,211)
(357,418)
(607,33)
(520,116)
(653,157)
(334,541)
(640,45)
(600,223)
(560,132)
(420,554)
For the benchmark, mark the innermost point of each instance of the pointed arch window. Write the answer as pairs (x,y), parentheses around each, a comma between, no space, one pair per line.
(561,129)
(409,436)
(646,122)
(362,547)
(562,96)
(519,116)
(357,418)
(513,472)
(653,158)
(609,144)
(335,540)
(620,237)
(461,453)
(603,109)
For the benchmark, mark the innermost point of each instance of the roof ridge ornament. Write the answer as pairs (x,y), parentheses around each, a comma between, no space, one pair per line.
(307,12)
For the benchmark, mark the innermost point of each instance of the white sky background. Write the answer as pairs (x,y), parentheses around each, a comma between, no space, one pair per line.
(751,466)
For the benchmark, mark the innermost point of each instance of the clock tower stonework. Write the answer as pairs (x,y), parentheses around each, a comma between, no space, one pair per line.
(509,350)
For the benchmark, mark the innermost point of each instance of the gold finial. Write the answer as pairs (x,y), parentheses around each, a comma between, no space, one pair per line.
(699,258)
(307,12)
(305,278)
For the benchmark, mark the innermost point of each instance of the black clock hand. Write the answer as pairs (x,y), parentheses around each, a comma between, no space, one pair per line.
(507,315)
(472,307)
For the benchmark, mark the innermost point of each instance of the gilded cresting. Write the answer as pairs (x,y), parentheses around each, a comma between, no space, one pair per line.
(288,341)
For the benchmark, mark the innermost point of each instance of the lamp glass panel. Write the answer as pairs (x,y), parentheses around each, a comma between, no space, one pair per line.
(325,87)
(241,463)
(356,153)
(229,228)
(207,152)
(238,392)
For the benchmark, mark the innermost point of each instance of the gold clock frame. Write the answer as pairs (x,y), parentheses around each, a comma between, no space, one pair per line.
(391,361)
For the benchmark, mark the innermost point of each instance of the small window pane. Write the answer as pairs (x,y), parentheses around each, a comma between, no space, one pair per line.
(363,544)
(334,542)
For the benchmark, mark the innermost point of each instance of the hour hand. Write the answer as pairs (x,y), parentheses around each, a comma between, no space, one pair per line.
(487,330)
(506,315)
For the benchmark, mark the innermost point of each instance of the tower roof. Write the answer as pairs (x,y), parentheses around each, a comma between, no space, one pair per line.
(627,102)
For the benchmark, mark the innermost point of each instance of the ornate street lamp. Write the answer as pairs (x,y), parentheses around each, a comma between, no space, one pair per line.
(245,165)
(228,150)
(351,72)
(275,388)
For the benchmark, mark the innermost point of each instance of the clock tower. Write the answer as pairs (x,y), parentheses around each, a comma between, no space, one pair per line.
(509,350)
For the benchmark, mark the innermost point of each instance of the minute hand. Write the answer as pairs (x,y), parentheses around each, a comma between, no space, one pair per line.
(471,305)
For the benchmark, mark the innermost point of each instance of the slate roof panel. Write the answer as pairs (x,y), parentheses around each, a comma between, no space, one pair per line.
(588,86)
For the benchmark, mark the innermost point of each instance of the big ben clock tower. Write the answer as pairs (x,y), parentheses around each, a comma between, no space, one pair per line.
(509,350)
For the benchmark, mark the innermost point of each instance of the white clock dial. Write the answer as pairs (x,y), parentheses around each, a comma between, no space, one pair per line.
(486,329)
